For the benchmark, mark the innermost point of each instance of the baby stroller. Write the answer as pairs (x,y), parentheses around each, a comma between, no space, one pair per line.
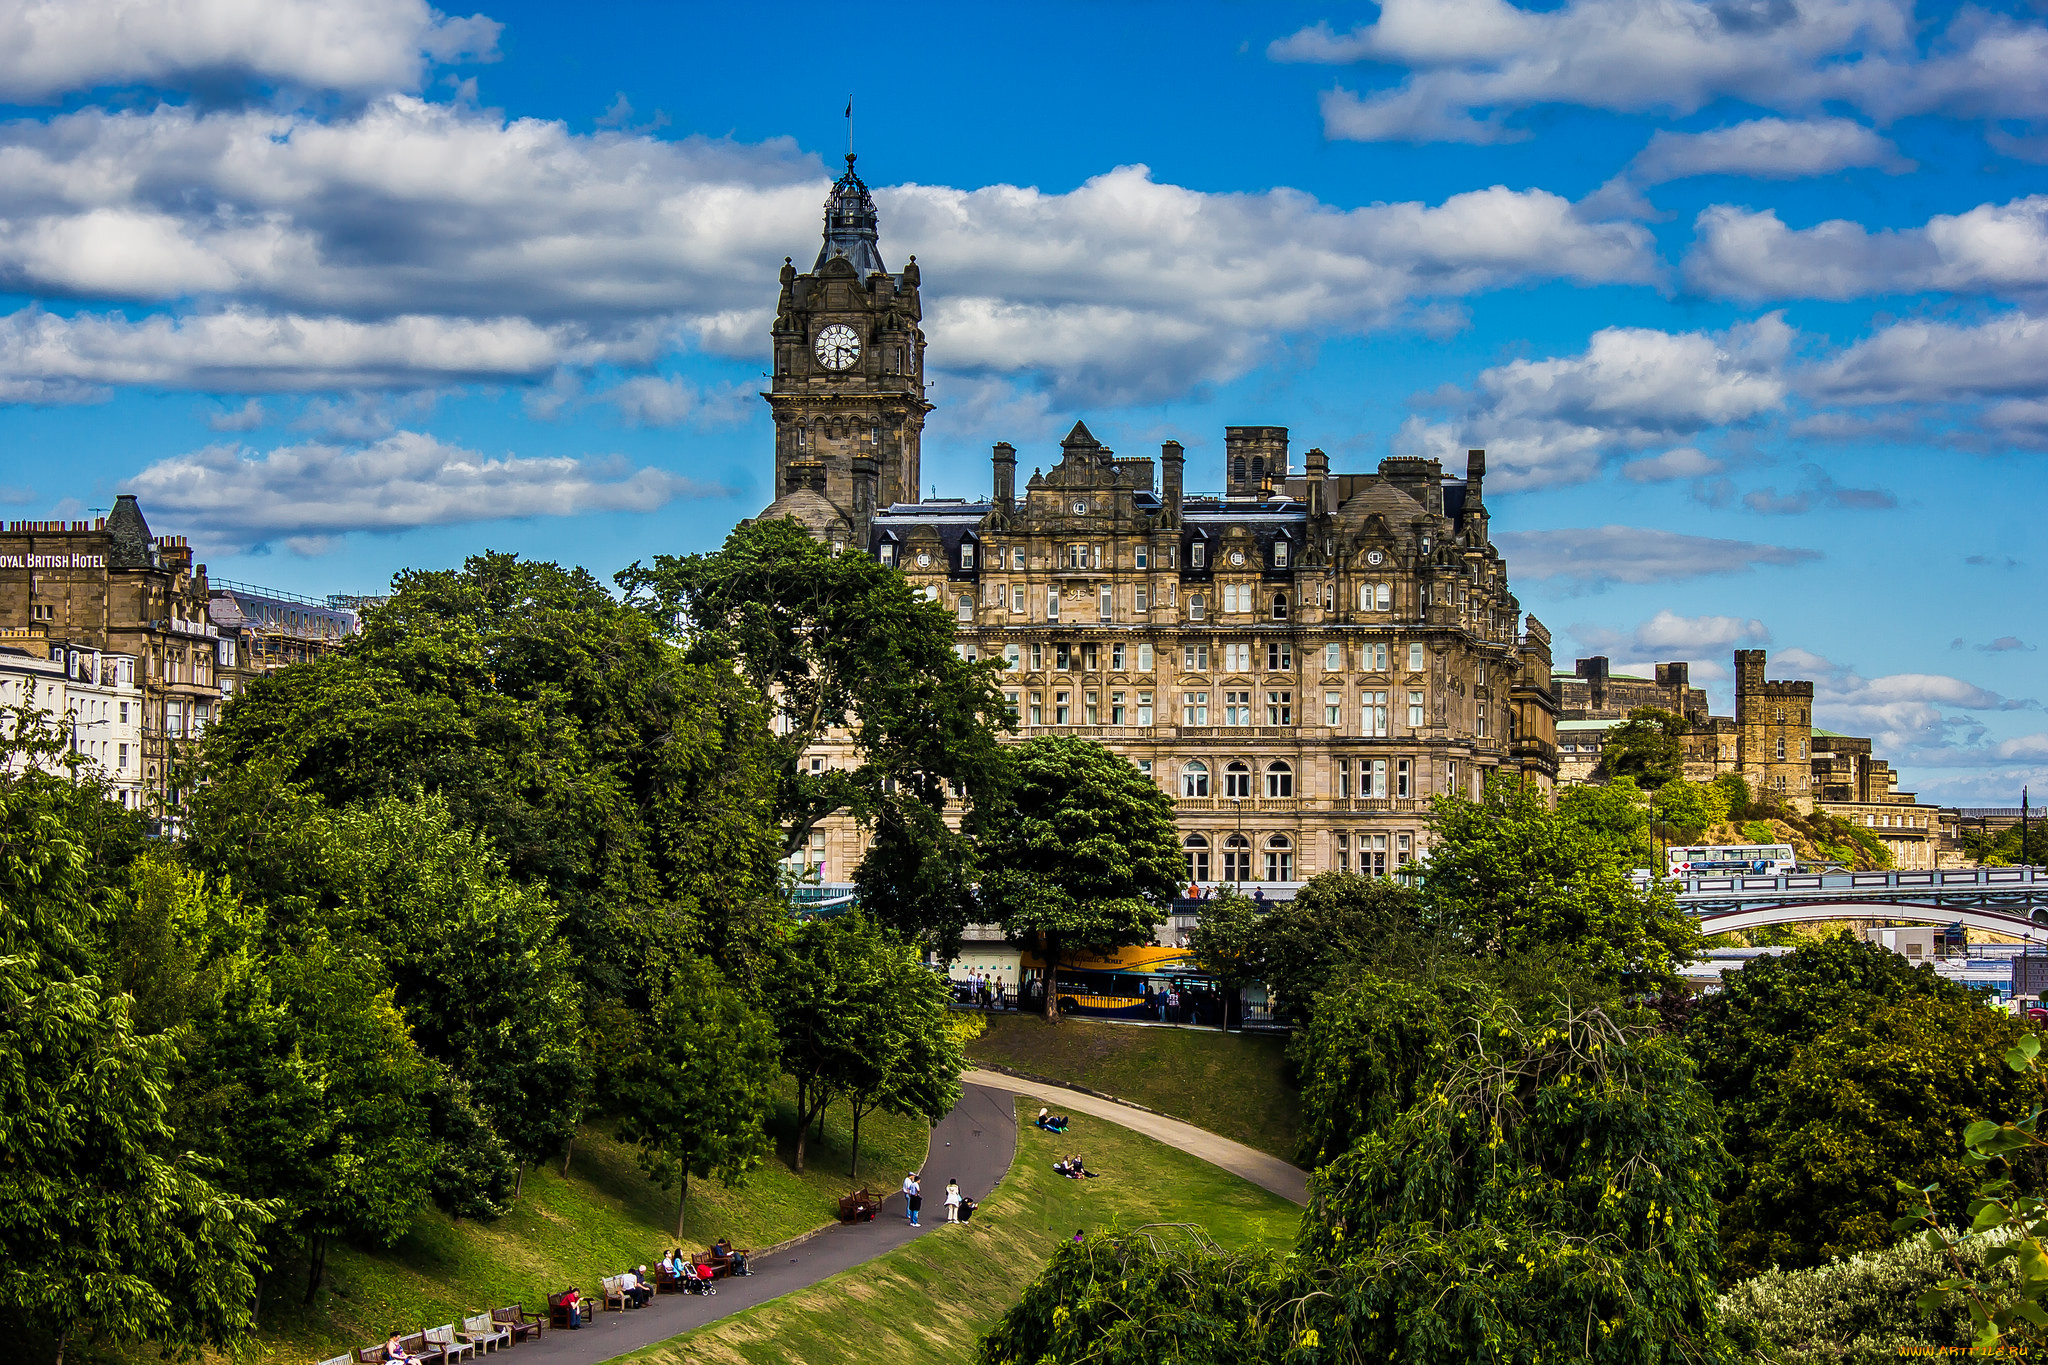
(698,1281)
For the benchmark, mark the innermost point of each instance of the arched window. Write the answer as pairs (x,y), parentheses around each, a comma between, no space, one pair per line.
(1237,780)
(1279,859)
(1279,780)
(1279,606)
(1237,469)
(1194,779)
(1258,468)
(1198,857)
(1237,859)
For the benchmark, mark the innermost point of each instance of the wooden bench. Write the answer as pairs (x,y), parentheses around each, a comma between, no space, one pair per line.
(858,1207)
(721,1266)
(479,1331)
(516,1320)
(443,1338)
(666,1282)
(559,1310)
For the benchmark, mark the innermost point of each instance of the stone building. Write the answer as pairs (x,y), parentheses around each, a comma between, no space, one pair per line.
(110,590)
(108,586)
(1770,741)
(1302,659)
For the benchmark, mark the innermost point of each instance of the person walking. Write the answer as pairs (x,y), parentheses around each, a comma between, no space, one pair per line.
(913,1197)
(953,1200)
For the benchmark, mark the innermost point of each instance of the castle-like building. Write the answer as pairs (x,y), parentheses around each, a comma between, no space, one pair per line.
(1302,659)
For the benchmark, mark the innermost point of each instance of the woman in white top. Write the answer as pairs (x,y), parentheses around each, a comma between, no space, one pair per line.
(953,1201)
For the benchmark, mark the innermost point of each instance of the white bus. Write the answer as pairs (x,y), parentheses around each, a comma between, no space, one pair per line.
(1757,859)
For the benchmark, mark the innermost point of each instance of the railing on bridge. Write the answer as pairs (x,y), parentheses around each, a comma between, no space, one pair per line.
(1743,886)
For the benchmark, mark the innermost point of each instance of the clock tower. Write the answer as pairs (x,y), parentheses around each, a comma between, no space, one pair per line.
(848,393)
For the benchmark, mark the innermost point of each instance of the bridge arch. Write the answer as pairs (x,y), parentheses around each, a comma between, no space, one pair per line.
(2032,930)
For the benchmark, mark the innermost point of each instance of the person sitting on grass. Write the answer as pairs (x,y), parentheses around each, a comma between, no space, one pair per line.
(1079,1171)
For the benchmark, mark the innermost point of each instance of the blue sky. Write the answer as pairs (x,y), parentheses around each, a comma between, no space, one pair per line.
(1744,298)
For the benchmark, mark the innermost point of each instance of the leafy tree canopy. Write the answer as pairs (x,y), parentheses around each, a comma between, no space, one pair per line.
(1085,856)
(638,787)
(1514,876)
(1646,747)
(697,1092)
(1335,921)
(843,646)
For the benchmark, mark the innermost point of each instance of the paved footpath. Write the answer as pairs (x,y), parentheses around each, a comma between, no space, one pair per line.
(973,1144)
(1267,1172)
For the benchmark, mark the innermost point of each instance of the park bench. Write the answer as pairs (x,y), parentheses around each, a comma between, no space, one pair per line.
(480,1332)
(559,1310)
(666,1281)
(444,1339)
(517,1321)
(721,1266)
(858,1207)
(614,1294)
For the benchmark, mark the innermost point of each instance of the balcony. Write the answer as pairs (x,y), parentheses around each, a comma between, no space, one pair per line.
(1541,750)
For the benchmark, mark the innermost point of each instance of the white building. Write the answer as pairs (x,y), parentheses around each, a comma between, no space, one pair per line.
(90,697)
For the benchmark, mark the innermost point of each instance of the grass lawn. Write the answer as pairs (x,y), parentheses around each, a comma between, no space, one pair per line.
(605,1216)
(1233,1084)
(926,1303)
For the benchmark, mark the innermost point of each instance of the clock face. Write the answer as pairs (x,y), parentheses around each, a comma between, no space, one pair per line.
(924,559)
(838,346)
(1080,506)
(1237,556)
(1374,557)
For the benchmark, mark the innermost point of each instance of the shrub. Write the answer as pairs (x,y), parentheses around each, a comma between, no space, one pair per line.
(1853,1310)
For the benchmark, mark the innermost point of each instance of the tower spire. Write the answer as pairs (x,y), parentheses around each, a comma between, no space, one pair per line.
(851,224)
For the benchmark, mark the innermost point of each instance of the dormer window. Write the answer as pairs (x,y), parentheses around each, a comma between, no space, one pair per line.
(966,556)
(1197,554)
(888,554)
(1279,554)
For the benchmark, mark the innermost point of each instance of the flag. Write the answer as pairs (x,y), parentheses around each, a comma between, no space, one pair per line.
(849,106)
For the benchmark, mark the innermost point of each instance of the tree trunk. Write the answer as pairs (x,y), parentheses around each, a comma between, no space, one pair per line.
(1050,953)
(316,1264)
(567,1152)
(518,1181)
(803,1126)
(853,1165)
(683,1203)
(62,1337)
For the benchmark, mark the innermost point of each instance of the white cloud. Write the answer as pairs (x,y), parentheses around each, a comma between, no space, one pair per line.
(1927,719)
(1818,489)
(48,358)
(237,499)
(247,417)
(1770,148)
(1940,362)
(1555,421)
(1473,63)
(1635,554)
(1667,635)
(1682,463)
(1122,285)
(1992,249)
(50,47)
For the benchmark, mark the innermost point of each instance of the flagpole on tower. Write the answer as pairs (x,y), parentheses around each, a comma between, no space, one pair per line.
(849,127)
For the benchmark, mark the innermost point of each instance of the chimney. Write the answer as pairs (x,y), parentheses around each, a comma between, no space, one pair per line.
(1594,671)
(1004,459)
(1475,476)
(1171,460)
(1318,476)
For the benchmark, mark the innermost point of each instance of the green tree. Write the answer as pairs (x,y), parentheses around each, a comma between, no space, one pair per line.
(1552,1196)
(1615,816)
(1750,1037)
(1337,920)
(638,787)
(912,1064)
(1086,856)
(1515,877)
(1690,808)
(1371,1048)
(1227,943)
(843,645)
(819,990)
(697,1093)
(1646,747)
(1880,1097)
(1144,1296)
(107,1233)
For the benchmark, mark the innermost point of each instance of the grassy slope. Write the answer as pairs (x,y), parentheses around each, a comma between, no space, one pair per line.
(604,1216)
(926,1303)
(1232,1084)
